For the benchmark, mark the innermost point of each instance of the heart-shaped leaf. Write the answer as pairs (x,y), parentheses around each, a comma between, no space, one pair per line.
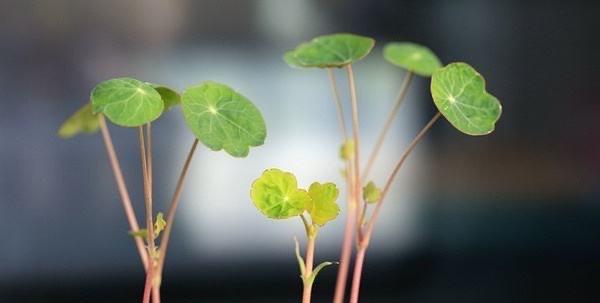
(412,57)
(458,91)
(277,196)
(169,96)
(127,102)
(82,121)
(371,193)
(322,207)
(223,119)
(335,50)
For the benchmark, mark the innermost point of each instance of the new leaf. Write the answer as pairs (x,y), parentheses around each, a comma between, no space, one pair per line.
(458,91)
(127,102)
(322,207)
(277,196)
(82,121)
(223,119)
(337,50)
(412,57)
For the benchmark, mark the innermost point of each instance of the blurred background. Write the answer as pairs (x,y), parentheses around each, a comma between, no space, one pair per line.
(510,217)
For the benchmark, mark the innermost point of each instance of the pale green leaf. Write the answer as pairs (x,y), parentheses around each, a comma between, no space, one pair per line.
(277,196)
(317,270)
(142,233)
(371,193)
(412,57)
(335,50)
(127,102)
(159,224)
(458,91)
(223,119)
(322,207)
(82,121)
(347,150)
(299,258)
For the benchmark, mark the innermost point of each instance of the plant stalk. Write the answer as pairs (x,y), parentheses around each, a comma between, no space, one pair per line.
(146,164)
(338,103)
(358,266)
(123,192)
(388,123)
(310,255)
(164,243)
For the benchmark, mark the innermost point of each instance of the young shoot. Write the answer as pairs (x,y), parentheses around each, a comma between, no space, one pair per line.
(277,196)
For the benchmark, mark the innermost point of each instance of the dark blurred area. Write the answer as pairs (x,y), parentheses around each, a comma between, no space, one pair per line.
(509,217)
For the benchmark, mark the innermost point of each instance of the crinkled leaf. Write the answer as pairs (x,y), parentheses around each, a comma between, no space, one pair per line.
(322,207)
(335,50)
(159,224)
(277,196)
(82,121)
(371,193)
(458,91)
(127,102)
(223,119)
(347,150)
(169,96)
(412,57)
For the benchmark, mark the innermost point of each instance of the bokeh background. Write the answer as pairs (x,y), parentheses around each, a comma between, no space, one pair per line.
(510,217)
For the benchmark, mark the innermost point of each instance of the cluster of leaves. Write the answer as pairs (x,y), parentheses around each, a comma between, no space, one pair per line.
(219,117)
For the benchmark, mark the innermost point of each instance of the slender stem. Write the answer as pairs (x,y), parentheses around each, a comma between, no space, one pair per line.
(155,290)
(164,243)
(310,256)
(390,179)
(116,168)
(156,295)
(358,266)
(387,124)
(338,103)
(355,131)
(148,286)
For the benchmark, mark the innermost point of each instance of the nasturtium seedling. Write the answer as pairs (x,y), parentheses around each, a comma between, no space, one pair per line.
(169,96)
(458,91)
(221,118)
(82,121)
(323,207)
(337,50)
(371,193)
(127,102)
(277,196)
(412,57)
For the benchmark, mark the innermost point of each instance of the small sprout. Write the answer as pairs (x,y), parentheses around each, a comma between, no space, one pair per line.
(323,207)
(169,96)
(127,102)
(317,270)
(412,57)
(277,196)
(159,224)
(458,92)
(337,50)
(299,258)
(371,193)
(221,118)
(347,150)
(82,121)
(141,233)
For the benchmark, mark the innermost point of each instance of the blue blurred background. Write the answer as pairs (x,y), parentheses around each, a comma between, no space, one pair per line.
(510,217)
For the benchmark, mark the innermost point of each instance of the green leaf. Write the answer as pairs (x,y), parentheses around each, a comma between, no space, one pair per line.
(335,50)
(142,233)
(412,57)
(371,193)
(169,96)
(82,121)
(322,207)
(277,196)
(458,91)
(316,271)
(159,224)
(347,150)
(127,102)
(223,119)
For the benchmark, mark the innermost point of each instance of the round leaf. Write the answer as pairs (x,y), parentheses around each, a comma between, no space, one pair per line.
(169,96)
(335,50)
(412,57)
(82,121)
(371,193)
(277,196)
(223,119)
(322,207)
(127,102)
(458,91)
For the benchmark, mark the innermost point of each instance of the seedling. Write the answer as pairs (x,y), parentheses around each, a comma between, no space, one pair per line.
(458,92)
(219,117)
(277,196)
